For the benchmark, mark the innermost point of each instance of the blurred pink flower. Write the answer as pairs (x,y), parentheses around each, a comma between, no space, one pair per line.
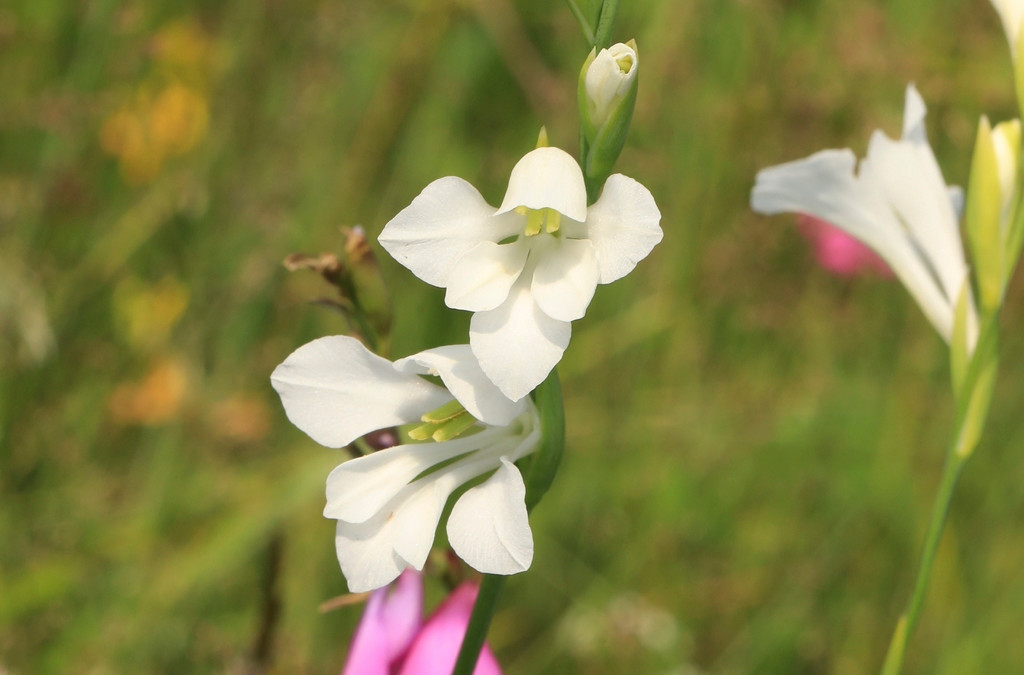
(393,640)
(838,252)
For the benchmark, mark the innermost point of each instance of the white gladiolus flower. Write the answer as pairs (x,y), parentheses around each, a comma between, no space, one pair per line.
(1011,13)
(530,267)
(388,503)
(897,203)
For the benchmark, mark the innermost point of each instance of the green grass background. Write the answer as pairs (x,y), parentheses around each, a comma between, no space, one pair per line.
(753,445)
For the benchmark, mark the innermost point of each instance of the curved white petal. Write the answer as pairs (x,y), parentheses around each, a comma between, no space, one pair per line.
(623,225)
(373,553)
(415,522)
(547,178)
(443,222)
(824,185)
(359,488)
(461,373)
(366,554)
(335,390)
(917,193)
(517,344)
(482,277)
(489,527)
(565,278)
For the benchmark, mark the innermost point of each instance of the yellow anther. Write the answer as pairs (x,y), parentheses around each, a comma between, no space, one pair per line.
(446,412)
(552,220)
(453,427)
(534,222)
(443,423)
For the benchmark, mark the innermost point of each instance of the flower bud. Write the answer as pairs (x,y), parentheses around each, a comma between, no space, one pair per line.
(608,79)
(989,205)
(607,94)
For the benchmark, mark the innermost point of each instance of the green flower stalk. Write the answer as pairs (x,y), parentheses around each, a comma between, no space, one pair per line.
(607,94)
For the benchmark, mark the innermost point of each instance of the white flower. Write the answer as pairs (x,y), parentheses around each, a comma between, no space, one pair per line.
(530,267)
(897,203)
(388,503)
(608,78)
(1011,13)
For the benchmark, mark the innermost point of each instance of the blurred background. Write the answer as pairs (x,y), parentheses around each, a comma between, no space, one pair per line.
(754,444)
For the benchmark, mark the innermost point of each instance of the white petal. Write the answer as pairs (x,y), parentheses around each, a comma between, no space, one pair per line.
(461,373)
(415,522)
(489,527)
(565,278)
(914,111)
(335,390)
(482,277)
(445,221)
(823,185)
(359,488)
(373,553)
(914,188)
(547,178)
(517,344)
(367,555)
(623,226)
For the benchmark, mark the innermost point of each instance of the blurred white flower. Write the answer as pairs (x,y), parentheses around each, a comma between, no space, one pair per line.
(530,267)
(897,203)
(388,503)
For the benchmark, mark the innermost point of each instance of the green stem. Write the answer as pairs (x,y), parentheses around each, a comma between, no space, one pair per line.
(479,623)
(940,510)
(972,409)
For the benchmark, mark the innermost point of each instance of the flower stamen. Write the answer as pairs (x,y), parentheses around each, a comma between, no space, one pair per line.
(443,423)
(546,219)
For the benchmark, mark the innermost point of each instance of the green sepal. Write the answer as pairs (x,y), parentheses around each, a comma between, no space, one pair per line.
(984,207)
(543,464)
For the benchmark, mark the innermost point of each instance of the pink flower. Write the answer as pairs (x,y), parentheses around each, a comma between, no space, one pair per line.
(838,252)
(393,640)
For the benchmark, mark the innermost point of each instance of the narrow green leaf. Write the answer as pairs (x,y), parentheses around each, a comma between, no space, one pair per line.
(588,30)
(606,24)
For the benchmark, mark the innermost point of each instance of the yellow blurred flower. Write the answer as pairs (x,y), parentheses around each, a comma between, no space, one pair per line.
(169,113)
(178,119)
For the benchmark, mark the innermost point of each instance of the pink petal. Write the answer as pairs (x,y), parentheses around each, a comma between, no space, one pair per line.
(437,646)
(838,252)
(390,622)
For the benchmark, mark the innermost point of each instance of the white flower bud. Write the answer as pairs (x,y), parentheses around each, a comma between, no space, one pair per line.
(609,78)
